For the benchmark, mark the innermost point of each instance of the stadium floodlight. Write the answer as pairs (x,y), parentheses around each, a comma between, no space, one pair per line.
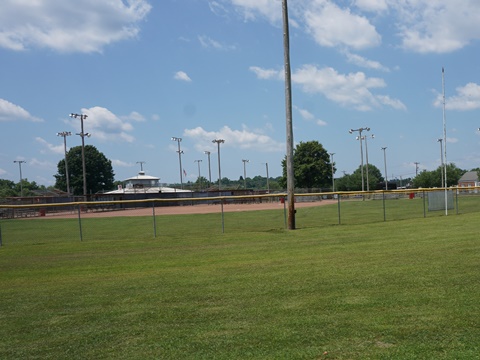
(64,134)
(82,134)
(180,152)
(209,169)
(359,130)
(218,142)
(245,161)
(20,162)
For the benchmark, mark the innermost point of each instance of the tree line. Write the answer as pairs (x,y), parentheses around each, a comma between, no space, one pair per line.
(313,170)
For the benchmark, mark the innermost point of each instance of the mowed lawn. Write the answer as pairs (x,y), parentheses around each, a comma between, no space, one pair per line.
(406,289)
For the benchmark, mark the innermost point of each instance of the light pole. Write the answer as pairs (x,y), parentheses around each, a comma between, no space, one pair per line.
(218,142)
(82,134)
(245,161)
(268,184)
(180,152)
(64,134)
(209,169)
(199,178)
(333,172)
(351,131)
(20,162)
(441,159)
(366,157)
(385,164)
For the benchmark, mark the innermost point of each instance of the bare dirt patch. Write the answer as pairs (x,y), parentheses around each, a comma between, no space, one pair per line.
(190,209)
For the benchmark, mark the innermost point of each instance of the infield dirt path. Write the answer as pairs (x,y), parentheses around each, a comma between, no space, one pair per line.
(191,209)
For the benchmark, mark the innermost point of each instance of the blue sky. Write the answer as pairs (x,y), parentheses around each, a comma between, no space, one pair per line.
(144,71)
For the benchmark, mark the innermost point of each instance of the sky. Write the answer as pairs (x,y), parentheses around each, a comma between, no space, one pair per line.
(144,71)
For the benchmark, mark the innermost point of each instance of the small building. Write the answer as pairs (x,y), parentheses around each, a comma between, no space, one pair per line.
(468,180)
(145,184)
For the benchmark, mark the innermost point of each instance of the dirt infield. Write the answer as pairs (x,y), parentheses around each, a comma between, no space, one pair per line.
(190,209)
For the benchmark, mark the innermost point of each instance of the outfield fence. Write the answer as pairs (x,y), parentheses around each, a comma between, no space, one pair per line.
(148,218)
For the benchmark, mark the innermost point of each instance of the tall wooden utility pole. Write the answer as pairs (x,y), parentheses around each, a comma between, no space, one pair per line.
(288,108)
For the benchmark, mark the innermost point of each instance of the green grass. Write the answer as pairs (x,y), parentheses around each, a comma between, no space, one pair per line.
(388,290)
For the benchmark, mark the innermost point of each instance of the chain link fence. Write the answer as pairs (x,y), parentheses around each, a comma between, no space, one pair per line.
(152,218)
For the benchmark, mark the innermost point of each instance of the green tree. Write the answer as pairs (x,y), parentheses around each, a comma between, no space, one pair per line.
(429,179)
(7,188)
(99,171)
(311,166)
(353,182)
(426,179)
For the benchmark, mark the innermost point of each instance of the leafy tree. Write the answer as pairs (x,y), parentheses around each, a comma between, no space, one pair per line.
(99,171)
(7,188)
(353,182)
(428,179)
(311,166)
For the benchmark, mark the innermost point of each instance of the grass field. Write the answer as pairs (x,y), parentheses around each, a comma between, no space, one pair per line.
(405,289)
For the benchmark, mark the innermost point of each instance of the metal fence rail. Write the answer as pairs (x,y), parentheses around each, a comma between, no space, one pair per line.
(344,208)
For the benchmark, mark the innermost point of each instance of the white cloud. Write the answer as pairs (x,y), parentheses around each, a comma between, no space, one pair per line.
(307,115)
(353,90)
(210,43)
(120,163)
(34,162)
(452,140)
(394,103)
(266,74)
(371,5)
(134,116)
(467,98)
(2,172)
(56,149)
(88,26)
(438,26)
(365,63)
(242,139)
(12,112)
(182,76)
(423,26)
(104,125)
(332,26)
(250,9)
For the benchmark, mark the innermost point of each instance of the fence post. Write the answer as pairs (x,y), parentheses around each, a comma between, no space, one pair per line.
(338,201)
(223,217)
(1,241)
(154,220)
(384,210)
(284,212)
(424,211)
(456,198)
(80,223)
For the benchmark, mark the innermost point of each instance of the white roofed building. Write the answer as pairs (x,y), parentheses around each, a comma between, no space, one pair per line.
(142,183)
